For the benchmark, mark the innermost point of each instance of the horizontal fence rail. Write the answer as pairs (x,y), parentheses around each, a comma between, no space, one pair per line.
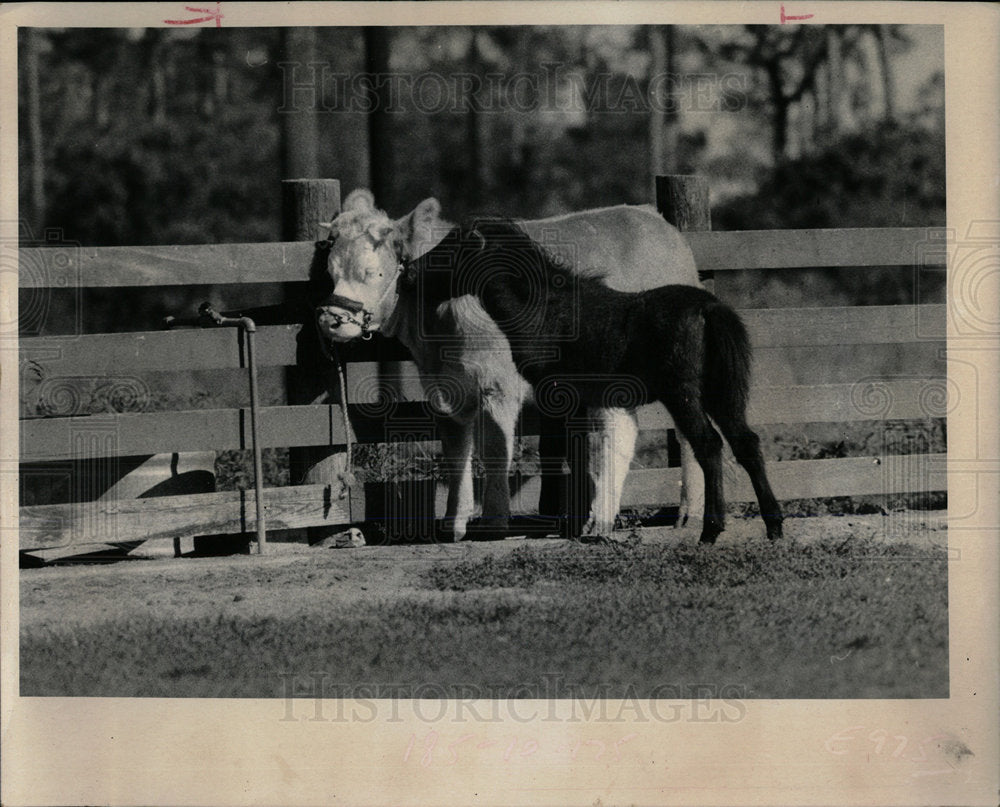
(197,349)
(59,525)
(216,264)
(374,417)
(126,434)
(803,249)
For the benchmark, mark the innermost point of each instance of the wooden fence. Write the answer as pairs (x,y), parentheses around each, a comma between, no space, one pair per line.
(805,334)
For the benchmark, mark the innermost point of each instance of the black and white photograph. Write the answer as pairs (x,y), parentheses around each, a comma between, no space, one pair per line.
(505,402)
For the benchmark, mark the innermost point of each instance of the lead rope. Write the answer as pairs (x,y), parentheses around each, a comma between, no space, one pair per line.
(329,352)
(345,477)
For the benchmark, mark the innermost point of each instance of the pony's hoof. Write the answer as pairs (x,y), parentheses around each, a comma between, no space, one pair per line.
(572,528)
(708,535)
(775,531)
(595,538)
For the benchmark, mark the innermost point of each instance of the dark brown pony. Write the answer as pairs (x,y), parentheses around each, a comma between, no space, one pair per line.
(678,345)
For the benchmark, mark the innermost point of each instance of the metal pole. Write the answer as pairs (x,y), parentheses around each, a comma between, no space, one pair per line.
(250,329)
(209,317)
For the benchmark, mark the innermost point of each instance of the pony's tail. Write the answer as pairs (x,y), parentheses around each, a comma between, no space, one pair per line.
(728,358)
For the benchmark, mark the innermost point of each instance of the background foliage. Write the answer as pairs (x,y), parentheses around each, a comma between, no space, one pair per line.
(170,136)
(178,136)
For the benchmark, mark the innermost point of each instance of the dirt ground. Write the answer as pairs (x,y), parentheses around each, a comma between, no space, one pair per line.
(852,606)
(190,587)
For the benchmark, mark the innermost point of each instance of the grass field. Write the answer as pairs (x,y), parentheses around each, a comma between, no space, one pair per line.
(848,607)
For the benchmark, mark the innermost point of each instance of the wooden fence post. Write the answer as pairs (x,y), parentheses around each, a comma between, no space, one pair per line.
(683,201)
(304,204)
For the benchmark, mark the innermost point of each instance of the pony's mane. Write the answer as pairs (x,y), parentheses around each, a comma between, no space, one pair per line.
(511,232)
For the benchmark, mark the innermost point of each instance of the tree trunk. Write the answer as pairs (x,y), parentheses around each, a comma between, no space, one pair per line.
(657,118)
(842,115)
(822,112)
(158,76)
(475,186)
(38,204)
(220,73)
(888,85)
(672,127)
(299,132)
(779,114)
(377,41)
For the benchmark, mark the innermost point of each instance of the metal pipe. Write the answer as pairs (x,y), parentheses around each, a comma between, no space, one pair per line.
(250,329)
(208,317)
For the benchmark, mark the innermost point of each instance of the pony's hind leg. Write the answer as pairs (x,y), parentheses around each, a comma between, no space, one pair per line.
(691,421)
(553,449)
(746,447)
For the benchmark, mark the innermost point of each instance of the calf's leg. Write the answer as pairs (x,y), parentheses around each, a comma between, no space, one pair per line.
(456,446)
(611,452)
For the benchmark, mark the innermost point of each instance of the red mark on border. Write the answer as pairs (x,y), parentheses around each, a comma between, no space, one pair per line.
(786,17)
(216,15)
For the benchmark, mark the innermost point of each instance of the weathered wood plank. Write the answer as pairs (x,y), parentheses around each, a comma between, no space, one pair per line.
(847,325)
(793,249)
(797,479)
(62,525)
(46,439)
(875,399)
(194,265)
(867,399)
(166,351)
(205,349)
(109,522)
(366,384)
(805,479)
(209,264)
(182,350)
(193,430)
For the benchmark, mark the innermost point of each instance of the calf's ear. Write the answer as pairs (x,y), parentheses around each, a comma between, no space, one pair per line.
(428,212)
(416,230)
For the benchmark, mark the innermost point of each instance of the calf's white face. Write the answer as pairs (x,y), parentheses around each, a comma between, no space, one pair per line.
(364,262)
(363,265)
